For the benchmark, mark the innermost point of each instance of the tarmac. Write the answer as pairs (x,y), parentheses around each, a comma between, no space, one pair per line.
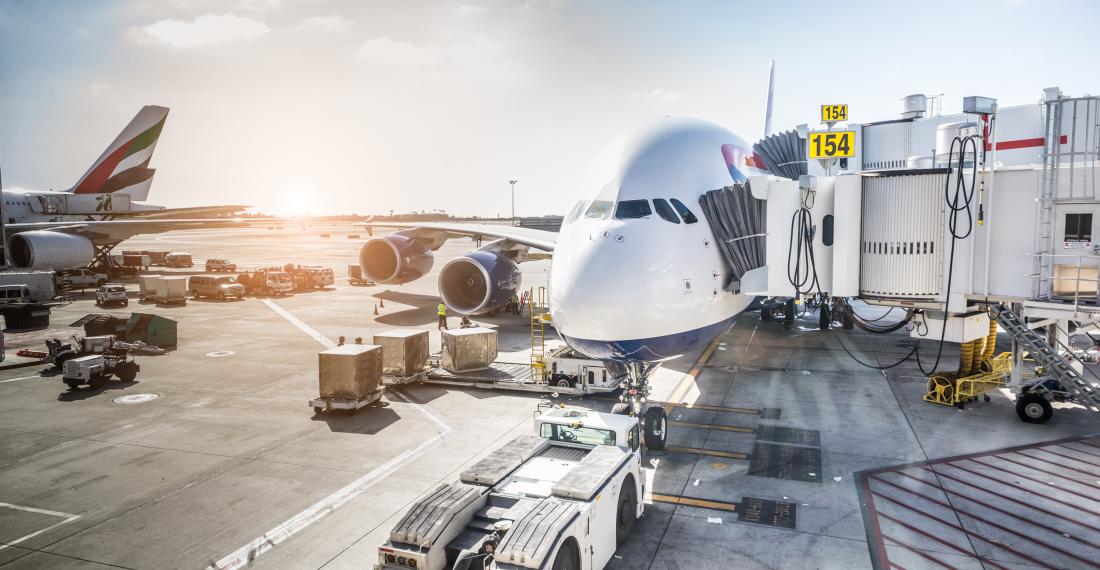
(783,453)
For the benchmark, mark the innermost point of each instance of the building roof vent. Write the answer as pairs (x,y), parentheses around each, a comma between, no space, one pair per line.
(913,106)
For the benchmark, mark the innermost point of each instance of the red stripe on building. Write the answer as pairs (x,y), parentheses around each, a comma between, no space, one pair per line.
(1023,143)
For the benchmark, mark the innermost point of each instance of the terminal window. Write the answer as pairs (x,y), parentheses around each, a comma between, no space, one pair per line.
(1078,227)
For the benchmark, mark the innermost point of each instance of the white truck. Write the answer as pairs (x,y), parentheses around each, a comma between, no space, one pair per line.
(80,278)
(565,498)
(213,265)
(39,284)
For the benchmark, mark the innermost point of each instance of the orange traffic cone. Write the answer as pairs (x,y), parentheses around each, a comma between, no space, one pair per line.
(376,309)
(382,303)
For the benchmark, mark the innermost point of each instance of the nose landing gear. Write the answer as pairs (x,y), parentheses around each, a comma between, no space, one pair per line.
(633,401)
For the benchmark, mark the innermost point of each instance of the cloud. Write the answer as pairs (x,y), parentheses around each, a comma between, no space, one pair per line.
(659,95)
(206,30)
(385,50)
(325,24)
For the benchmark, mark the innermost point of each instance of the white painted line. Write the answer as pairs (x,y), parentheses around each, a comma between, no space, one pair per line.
(67,516)
(244,555)
(19,379)
(324,340)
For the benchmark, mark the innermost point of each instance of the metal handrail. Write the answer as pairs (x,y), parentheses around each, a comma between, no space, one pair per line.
(1077,274)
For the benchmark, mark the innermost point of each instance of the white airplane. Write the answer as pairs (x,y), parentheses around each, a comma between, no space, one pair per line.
(71,228)
(635,276)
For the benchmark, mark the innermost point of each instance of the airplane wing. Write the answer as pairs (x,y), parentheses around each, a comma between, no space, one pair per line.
(114,231)
(442,231)
(180,212)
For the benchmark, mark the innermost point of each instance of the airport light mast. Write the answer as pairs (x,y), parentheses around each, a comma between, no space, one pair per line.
(513,183)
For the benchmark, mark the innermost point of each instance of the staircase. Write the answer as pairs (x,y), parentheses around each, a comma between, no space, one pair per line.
(1055,366)
(538,334)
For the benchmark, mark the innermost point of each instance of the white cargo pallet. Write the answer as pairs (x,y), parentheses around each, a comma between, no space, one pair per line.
(504,376)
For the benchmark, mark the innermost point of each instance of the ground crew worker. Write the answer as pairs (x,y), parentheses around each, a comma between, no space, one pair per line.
(515,304)
(441,310)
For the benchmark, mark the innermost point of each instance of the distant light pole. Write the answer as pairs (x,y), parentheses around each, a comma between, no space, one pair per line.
(513,183)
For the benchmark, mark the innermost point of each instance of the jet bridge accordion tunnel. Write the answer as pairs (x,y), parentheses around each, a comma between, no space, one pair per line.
(753,224)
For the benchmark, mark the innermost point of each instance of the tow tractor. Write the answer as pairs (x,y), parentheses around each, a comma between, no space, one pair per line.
(95,369)
(59,351)
(565,498)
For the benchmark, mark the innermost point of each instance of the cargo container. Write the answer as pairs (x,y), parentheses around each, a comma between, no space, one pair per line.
(404,352)
(171,290)
(467,350)
(349,377)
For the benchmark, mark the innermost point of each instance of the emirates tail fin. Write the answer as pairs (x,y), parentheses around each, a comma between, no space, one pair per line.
(124,166)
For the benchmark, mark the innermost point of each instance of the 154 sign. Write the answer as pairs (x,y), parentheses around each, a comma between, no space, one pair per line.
(832,144)
(834,113)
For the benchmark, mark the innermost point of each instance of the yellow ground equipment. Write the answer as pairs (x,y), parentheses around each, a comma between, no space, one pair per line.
(539,317)
(979,372)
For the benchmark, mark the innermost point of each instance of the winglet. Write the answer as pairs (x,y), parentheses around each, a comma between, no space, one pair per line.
(771,90)
(125,163)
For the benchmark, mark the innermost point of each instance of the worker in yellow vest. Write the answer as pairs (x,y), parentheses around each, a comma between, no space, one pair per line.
(441,310)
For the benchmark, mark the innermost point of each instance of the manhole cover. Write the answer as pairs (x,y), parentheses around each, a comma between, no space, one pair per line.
(220,353)
(135,398)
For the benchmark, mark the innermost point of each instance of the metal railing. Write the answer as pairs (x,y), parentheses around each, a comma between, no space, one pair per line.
(1088,262)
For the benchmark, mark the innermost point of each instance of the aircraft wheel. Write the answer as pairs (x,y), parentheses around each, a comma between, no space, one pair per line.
(656,428)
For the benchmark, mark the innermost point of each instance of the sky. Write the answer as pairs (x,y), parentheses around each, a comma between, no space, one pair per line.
(337,107)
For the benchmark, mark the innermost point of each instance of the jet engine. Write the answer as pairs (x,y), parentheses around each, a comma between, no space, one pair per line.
(42,249)
(479,281)
(395,259)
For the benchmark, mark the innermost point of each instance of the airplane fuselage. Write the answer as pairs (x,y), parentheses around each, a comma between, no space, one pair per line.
(630,285)
(28,206)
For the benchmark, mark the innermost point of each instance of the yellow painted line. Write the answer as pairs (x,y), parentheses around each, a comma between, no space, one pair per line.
(750,411)
(673,500)
(682,388)
(715,426)
(711,452)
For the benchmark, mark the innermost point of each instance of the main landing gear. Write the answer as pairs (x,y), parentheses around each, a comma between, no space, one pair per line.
(633,402)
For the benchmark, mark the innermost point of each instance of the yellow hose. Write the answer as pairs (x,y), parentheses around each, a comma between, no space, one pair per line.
(976,358)
(991,340)
(966,357)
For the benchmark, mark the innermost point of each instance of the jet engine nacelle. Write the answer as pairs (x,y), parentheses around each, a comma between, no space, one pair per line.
(42,249)
(395,259)
(479,281)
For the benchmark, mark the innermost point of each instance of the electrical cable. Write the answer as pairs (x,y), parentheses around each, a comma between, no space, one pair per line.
(800,248)
(955,209)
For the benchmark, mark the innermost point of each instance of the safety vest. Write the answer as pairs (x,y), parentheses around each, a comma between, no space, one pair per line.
(442,310)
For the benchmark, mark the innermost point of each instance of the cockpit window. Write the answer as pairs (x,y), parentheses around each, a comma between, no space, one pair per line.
(685,213)
(575,212)
(630,209)
(665,211)
(600,210)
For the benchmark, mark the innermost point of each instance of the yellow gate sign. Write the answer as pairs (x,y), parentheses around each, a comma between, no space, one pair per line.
(834,113)
(832,144)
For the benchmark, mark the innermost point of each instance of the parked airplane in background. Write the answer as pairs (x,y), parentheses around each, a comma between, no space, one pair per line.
(635,276)
(71,228)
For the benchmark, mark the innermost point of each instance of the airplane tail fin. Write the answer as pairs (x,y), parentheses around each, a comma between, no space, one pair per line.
(771,90)
(124,166)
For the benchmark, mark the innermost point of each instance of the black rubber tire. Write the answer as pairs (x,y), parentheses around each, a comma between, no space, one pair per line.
(126,371)
(59,362)
(627,512)
(126,303)
(194,294)
(221,296)
(788,311)
(97,381)
(621,409)
(73,385)
(1033,409)
(317,410)
(564,383)
(568,558)
(766,315)
(656,428)
(824,318)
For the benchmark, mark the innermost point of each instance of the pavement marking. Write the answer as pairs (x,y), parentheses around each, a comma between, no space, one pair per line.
(711,452)
(19,379)
(714,426)
(686,382)
(324,340)
(69,517)
(244,555)
(692,502)
(750,411)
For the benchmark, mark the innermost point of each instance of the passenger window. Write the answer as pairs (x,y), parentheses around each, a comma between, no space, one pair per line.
(599,210)
(685,213)
(632,209)
(665,211)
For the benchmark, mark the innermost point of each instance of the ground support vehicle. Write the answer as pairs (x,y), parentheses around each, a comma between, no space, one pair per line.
(96,369)
(213,265)
(80,278)
(220,287)
(266,282)
(59,351)
(178,259)
(111,294)
(147,286)
(566,373)
(171,290)
(355,276)
(566,497)
(325,403)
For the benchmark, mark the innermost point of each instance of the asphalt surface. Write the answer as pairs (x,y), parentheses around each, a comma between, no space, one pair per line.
(778,438)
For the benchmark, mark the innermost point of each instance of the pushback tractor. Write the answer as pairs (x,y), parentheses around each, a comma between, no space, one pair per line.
(565,498)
